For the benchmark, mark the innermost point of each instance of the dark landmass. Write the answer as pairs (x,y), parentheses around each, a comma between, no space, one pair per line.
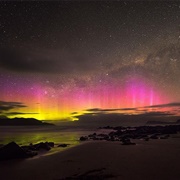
(22,122)
(162,123)
(127,134)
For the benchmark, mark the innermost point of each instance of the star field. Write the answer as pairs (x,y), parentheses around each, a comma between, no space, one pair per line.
(64,57)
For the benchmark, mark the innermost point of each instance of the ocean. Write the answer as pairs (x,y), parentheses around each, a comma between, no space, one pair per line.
(24,135)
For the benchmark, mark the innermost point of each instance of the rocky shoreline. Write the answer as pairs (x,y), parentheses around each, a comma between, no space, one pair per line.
(127,134)
(14,151)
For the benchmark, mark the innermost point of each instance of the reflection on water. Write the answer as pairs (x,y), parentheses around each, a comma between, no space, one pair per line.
(58,135)
(27,135)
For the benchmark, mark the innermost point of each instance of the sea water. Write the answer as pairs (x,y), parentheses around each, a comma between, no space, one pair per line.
(24,135)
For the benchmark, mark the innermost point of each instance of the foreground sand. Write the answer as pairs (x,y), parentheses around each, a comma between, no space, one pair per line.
(154,160)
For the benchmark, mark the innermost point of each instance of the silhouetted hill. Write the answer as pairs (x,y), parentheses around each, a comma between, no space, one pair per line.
(163,123)
(22,122)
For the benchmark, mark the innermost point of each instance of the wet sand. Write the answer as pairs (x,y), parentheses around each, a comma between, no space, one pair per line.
(153,160)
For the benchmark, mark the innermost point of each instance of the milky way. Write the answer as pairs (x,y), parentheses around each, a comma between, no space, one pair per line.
(63,57)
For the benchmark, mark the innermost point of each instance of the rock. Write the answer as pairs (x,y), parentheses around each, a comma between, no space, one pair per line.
(42,145)
(141,132)
(92,135)
(63,145)
(154,137)
(51,144)
(83,138)
(31,153)
(12,151)
(146,139)
(127,142)
(164,137)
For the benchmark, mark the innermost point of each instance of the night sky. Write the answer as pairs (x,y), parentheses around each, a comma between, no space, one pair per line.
(59,59)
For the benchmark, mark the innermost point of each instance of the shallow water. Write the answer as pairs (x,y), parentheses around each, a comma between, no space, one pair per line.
(26,135)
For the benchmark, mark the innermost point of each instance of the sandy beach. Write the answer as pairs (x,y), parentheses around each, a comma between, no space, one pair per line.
(153,160)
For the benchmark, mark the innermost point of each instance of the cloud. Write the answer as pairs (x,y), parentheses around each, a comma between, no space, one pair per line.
(175,104)
(7,106)
(119,119)
(108,110)
(17,113)
(74,113)
(115,115)
(157,113)
(3,116)
(54,62)
(93,109)
(99,116)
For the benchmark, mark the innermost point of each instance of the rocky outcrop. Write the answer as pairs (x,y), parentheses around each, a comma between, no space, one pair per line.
(63,145)
(14,151)
(83,138)
(39,146)
(126,134)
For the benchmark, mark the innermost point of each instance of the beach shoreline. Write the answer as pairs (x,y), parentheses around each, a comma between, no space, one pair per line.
(156,159)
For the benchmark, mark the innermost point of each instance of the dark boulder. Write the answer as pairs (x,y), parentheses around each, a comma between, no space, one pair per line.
(12,151)
(63,145)
(164,137)
(31,153)
(146,139)
(83,138)
(92,135)
(36,147)
(154,136)
(51,144)
(127,142)
(42,145)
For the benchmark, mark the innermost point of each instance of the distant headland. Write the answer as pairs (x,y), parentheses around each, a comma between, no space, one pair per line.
(4,121)
(163,122)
